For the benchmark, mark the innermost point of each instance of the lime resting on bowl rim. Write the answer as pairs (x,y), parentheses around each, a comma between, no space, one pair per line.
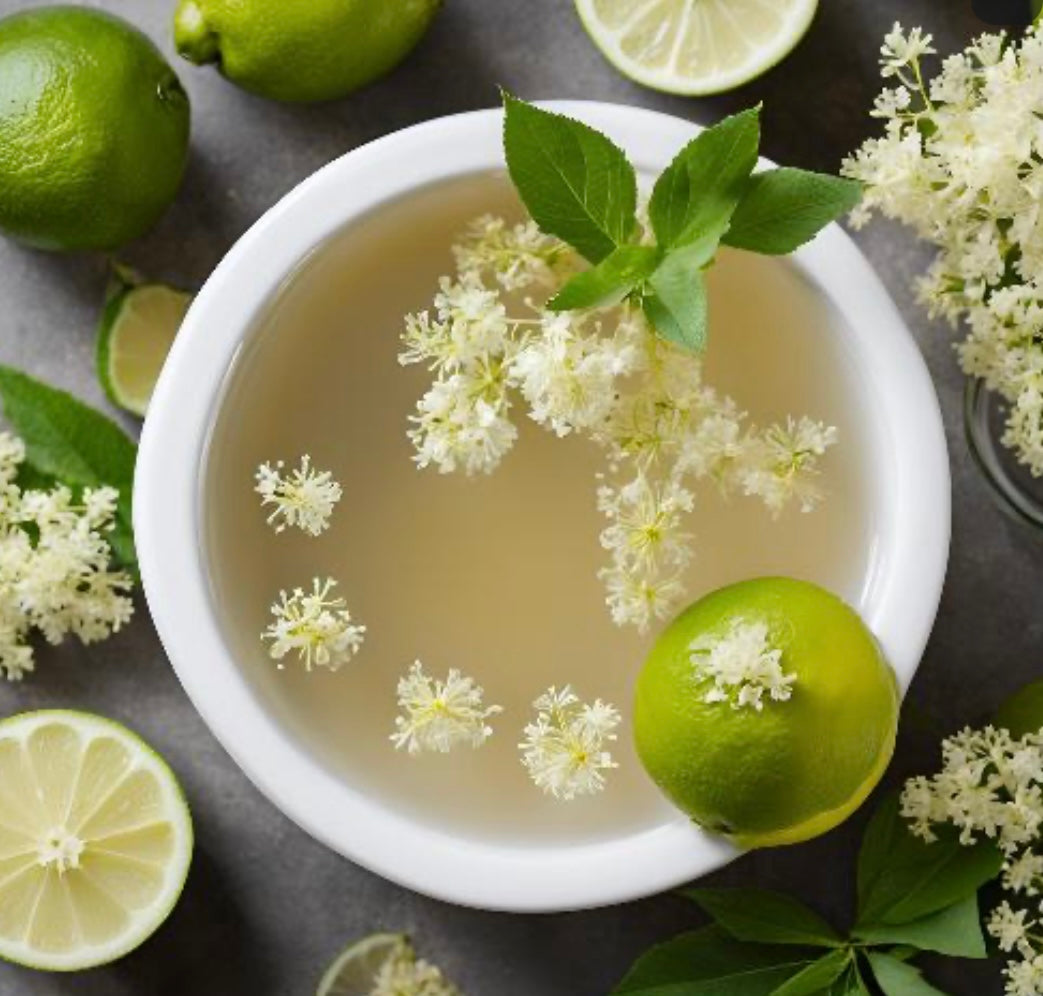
(95,843)
(135,334)
(695,47)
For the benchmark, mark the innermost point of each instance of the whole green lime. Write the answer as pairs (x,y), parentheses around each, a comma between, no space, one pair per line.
(93,129)
(796,766)
(301,50)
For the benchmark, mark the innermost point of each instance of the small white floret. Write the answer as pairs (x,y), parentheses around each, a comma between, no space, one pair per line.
(742,667)
(315,625)
(303,497)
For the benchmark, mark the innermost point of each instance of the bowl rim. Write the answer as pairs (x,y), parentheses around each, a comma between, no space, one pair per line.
(899,604)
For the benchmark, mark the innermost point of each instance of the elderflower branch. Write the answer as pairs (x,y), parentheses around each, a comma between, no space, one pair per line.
(964,172)
(315,625)
(438,715)
(741,667)
(991,786)
(55,573)
(603,374)
(564,749)
(304,497)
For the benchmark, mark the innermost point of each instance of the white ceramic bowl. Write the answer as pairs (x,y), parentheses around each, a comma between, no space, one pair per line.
(899,599)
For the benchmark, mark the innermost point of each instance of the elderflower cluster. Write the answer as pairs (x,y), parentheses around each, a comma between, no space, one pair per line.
(492,347)
(438,715)
(991,785)
(564,749)
(316,625)
(961,162)
(741,667)
(55,573)
(403,974)
(304,497)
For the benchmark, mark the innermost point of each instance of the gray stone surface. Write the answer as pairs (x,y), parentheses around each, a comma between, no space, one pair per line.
(265,906)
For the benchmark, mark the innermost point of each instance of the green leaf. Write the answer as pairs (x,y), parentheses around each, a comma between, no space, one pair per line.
(677,305)
(819,975)
(697,193)
(609,281)
(708,962)
(896,978)
(782,209)
(576,183)
(67,441)
(955,930)
(902,878)
(766,917)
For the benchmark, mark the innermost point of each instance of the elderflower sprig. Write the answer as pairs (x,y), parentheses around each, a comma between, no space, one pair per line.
(606,375)
(55,573)
(437,715)
(315,625)
(564,749)
(741,667)
(991,787)
(404,974)
(304,497)
(960,163)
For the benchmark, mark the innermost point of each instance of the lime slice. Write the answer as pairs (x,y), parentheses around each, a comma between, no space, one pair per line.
(695,47)
(355,969)
(136,331)
(95,840)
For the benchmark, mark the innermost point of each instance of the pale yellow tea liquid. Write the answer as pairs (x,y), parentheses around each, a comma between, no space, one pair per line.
(493,575)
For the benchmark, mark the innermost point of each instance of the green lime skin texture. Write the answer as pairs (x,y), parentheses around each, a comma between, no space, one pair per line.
(94,129)
(301,51)
(795,769)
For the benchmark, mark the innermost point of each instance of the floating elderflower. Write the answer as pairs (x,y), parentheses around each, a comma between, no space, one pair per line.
(602,373)
(315,625)
(304,497)
(564,748)
(55,574)
(438,715)
(743,666)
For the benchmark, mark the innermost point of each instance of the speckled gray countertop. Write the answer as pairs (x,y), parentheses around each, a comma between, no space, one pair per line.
(266,907)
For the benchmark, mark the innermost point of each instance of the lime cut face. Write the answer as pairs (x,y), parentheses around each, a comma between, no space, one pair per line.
(95,840)
(135,335)
(788,770)
(695,47)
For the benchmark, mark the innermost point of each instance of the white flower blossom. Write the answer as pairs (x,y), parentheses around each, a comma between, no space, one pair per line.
(990,787)
(304,497)
(603,374)
(960,163)
(742,666)
(564,749)
(403,974)
(315,625)
(55,565)
(438,715)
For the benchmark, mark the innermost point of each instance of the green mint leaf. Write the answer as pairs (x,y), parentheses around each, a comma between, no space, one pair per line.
(818,976)
(67,441)
(955,930)
(782,209)
(697,193)
(896,978)
(902,878)
(609,281)
(766,917)
(709,962)
(576,184)
(677,305)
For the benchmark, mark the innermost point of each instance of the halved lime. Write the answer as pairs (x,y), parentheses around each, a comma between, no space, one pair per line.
(695,47)
(134,337)
(383,963)
(95,840)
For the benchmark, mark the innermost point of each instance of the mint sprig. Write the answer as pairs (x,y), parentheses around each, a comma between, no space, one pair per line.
(579,187)
(69,443)
(912,897)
